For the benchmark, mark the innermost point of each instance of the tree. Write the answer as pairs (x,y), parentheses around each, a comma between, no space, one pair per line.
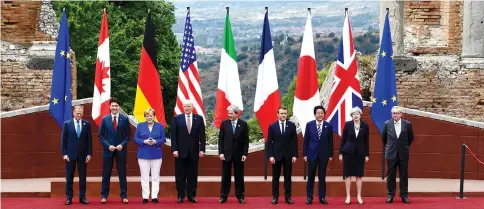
(126,22)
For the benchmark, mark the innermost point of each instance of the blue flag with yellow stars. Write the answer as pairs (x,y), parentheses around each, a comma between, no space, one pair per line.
(385,93)
(60,104)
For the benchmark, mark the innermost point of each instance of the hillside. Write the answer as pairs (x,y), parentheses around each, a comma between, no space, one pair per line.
(286,52)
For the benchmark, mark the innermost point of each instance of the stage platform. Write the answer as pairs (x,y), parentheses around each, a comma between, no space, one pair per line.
(256,186)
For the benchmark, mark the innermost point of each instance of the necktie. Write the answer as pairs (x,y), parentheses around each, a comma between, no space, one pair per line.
(283,128)
(189,124)
(78,129)
(115,123)
(233,127)
(319,130)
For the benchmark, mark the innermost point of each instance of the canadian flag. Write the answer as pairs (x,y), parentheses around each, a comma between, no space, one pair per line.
(102,78)
(306,95)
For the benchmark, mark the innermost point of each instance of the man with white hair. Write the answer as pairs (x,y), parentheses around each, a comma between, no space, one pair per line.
(233,147)
(188,145)
(397,136)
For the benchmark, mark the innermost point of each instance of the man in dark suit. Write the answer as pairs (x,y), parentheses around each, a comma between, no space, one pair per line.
(397,136)
(317,151)
(282,151)
(233,147)
(187,145)
(76,146)
(114,134)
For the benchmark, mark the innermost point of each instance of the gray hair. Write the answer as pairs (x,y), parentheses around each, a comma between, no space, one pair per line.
(79,107)
(356,110)
(234,108)
(188,102)
(396,109)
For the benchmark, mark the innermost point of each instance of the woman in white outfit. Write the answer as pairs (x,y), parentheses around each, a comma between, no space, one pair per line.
(150,136)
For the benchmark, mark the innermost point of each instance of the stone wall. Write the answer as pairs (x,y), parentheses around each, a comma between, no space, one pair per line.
(439,84)
(20,22)
(28,31)
(433,27)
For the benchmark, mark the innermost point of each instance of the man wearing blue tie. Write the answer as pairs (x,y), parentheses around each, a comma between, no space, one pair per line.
(114,134)
(76,146)
(317,151)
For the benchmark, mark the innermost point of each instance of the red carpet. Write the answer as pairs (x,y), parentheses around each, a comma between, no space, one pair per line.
(252,203)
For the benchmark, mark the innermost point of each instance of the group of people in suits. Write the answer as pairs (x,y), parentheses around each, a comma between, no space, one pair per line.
(188,146)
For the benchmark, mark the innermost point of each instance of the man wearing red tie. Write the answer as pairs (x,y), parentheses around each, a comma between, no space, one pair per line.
(114,134)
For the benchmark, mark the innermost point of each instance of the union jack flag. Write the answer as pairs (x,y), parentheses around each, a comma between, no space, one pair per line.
(345,90)
(188,78)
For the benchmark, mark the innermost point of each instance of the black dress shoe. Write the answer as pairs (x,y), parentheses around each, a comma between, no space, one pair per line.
(145,201)
(192,200)
(83,201)
(154,200)
(68,201)
(274,201)
(323,201)
(222,200)
(389,199)
(179,200)
(309,201)
(241,200)
(405,200)
(288,201)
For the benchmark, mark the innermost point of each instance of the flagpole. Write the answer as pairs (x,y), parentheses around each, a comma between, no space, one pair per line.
(265,144)
(383,145)
(305,162)
(346,14)
(227,8)
(188,9)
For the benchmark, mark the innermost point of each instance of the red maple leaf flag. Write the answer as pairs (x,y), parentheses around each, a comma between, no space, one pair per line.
(102,78)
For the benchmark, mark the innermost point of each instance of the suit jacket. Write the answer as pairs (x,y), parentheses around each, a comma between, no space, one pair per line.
(350,142)
(74,146)
(187,143)
(109,137)
(314,146)
(394,145)
(233,144)
(279,145)
(142,133)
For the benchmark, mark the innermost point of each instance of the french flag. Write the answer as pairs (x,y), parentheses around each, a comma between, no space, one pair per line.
(267,97)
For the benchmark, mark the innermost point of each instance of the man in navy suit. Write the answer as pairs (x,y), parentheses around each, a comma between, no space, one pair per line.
(76,146)
(282,152)
(114,134)
(317,151)
(187,145)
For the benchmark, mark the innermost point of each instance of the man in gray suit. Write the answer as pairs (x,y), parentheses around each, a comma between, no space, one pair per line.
(397,136)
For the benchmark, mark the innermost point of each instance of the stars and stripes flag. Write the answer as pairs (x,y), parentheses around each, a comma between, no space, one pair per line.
(345,91)
(189,87)
(102,77)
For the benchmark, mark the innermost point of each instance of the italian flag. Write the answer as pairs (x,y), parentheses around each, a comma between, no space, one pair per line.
(228,92)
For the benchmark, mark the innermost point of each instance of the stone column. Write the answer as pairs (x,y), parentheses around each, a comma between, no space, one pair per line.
(473,38)
(396,23)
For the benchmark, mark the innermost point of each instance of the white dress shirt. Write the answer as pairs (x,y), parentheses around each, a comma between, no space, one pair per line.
(357,129)
(398,127)
(191,119)
(280,125)
(117,118)
(80,125)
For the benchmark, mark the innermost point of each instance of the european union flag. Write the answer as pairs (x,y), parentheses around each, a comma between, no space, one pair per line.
(60,104)
(385,93)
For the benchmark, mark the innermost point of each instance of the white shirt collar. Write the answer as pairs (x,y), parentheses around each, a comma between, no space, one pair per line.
(191,115)
(280,121)
(235,121)
(113,115)
(397,122)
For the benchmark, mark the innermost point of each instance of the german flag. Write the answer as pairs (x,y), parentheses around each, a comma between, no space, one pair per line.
(148,91)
